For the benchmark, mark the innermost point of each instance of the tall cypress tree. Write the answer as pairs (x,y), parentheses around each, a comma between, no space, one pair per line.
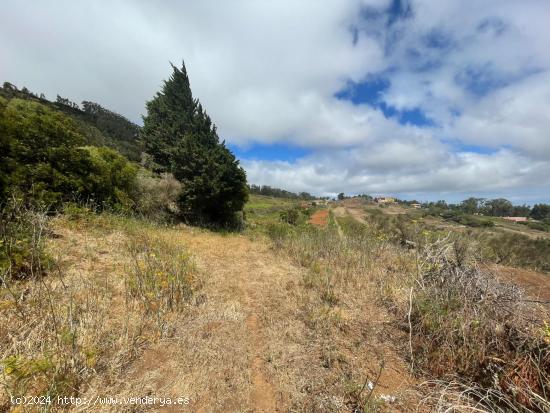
(182,139)
(169,116)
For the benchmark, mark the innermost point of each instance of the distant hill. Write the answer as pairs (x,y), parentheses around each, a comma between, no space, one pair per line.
(100,126)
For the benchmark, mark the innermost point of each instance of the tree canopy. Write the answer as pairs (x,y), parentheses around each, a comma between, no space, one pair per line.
(43,159)
(181,139)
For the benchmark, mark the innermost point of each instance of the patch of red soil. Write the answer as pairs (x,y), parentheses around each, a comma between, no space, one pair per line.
(319,218)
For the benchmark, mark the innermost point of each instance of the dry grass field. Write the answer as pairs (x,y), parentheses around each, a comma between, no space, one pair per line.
(279,318)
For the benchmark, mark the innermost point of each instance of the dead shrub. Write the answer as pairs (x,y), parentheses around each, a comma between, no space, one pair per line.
(465,322)
(157,195)
(23,230)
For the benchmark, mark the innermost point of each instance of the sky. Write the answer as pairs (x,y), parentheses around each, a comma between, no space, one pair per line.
(424,99)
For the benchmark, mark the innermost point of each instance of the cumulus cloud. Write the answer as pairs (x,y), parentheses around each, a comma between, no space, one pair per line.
(269,72)
(466,173)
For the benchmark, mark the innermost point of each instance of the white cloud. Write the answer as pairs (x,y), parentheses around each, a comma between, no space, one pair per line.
(516,115)
(329,174)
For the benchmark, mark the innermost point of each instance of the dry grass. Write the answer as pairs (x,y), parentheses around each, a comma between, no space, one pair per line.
(81,324)
(466,322)
(318,319)
(462,324)
(349,332)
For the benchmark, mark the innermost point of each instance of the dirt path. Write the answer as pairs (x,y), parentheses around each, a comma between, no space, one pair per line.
(358,214)
(339,212)
(319,218)
(223,356)
(256,338)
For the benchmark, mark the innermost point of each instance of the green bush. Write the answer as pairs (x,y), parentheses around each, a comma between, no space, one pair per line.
(540,226)
(517,250)
(473,221)
(111,179)
(290,216)
(43,160)
(467,219)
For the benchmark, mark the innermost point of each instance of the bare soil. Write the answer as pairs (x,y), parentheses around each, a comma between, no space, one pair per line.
(319,218)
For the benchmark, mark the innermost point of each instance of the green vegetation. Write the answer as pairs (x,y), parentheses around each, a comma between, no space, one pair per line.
(296,215)
(99,126)
(496,244)
(543,225)
(261,211)
(499,207)
(516,250)
(267,190)
(467,219)
(56,152)
(540,211)
(181,139)
(45,160)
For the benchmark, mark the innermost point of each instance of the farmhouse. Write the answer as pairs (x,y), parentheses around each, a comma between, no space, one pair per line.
(384,200)
(515,219)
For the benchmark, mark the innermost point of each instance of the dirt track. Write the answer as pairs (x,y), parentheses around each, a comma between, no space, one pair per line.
(255,338)
(319,218)
(247,347)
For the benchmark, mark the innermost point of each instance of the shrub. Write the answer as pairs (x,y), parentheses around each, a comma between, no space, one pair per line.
(111,180)
(22,234)
(43,151)
(466,322)
(290,216)
(43,160)
(161,276)
(157,195)
(466,219)
(517,250)
(539,226)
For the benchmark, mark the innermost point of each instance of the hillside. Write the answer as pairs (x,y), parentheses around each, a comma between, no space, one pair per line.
(251,334)
(100,126)
(281,317)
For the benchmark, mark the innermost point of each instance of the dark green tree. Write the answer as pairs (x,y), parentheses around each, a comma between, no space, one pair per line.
(169,117)
(499,207)
(521,211)
(540,211)
(471,205)
(182,139)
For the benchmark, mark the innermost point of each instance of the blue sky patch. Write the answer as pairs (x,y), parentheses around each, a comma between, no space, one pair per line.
(399,9)
(370,91)
(364,92)
(492,25)
(269,152)
(463,147)
(480,80)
